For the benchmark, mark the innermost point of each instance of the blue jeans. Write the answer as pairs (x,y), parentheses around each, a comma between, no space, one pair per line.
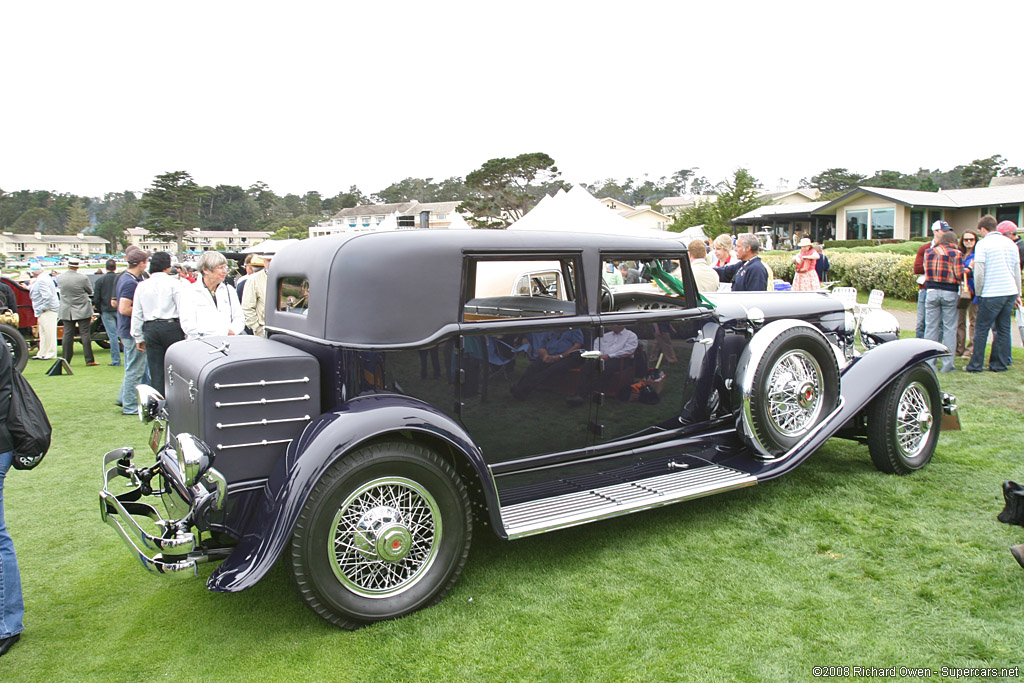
(12,606)
(110,324)
(940,321)
(922,295)
(994,313)
(134,375)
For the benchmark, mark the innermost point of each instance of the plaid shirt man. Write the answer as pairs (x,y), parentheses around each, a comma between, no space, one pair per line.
(943,267)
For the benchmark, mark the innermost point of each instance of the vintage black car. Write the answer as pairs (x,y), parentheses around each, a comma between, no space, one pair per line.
(416,381)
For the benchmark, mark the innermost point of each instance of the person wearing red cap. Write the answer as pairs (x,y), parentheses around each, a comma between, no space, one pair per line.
(997,283)
(1009,230)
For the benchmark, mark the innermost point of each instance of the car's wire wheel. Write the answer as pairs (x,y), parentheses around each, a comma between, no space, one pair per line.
(794,393)
(385,537)
(914,420)
(385,531)
(903,421)
(793,386)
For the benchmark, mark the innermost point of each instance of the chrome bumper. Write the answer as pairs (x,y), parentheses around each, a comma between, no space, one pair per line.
(950,413)
(174,550)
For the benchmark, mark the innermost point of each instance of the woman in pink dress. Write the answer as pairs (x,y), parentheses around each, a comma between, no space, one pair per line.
(806,279)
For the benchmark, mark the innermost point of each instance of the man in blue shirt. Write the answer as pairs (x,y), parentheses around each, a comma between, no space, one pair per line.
(557,352)
(748,274)
(134,360)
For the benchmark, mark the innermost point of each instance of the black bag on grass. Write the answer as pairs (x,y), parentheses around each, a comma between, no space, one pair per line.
(27,422)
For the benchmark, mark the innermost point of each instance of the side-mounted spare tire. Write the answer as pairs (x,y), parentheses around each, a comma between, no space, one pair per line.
(789,384)
(904,421)
(16,344)
(385,532)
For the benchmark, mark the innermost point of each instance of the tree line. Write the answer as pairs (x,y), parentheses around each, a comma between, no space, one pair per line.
(496,194)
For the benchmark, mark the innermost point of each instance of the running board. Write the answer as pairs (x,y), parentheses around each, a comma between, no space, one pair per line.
(572,509)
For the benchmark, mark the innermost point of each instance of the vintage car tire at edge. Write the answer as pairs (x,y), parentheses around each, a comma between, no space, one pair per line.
(418,383)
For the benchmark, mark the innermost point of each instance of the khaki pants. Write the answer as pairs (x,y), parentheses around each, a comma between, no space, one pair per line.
(47,335)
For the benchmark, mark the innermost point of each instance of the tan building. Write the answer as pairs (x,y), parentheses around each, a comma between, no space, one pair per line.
(881,213)
(18,247)
(643,215)
(197,240)
(366,217)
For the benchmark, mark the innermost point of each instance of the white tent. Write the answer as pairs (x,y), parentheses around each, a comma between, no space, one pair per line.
(578,211)
(267,247)
(694,232)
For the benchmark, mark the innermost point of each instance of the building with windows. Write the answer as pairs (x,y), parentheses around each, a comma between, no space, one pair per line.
(197,240)
(414,214)
(19,247)
(881,213)
(642,215)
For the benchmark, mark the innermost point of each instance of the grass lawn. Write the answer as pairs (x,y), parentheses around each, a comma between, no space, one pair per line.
(835,564)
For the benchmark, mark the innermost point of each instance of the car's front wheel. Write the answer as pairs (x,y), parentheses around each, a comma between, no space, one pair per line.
(903,422)
(385,532)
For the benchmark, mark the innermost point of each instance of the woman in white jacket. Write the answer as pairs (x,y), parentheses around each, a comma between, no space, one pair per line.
(208,306)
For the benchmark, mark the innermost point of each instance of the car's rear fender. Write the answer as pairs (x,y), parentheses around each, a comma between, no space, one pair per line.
(326,440)
(861,380)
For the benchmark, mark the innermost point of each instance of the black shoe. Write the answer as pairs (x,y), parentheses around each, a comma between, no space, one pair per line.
(1016,550)
(5,643)
(1013,512)
(117,403)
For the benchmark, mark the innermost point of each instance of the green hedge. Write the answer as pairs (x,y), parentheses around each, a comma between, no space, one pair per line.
(891,273)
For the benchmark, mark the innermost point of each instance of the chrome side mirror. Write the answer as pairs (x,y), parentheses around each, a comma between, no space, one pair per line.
(151,402)
(878,327)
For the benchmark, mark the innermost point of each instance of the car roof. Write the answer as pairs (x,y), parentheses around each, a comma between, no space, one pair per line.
(402,287)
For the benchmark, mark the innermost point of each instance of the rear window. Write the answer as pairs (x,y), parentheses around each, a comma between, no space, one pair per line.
(293,295)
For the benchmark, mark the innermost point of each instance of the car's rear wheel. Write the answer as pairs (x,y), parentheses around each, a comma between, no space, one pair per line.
(904,420)
(795,386)
(16,344)
(385,532)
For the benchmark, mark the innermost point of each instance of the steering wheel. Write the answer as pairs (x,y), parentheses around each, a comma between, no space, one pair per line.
(607,299)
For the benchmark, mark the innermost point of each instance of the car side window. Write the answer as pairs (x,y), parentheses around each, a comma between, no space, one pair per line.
(499,289)
(293,295)
(642,282)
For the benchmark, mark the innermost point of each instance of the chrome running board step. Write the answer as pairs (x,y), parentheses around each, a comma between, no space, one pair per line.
(571,509)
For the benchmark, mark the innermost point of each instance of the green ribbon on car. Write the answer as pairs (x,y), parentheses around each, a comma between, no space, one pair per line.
(673,285)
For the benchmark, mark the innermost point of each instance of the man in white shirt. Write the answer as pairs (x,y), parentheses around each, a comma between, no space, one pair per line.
(997,282)
(617,347)
(209,307)
(155,316)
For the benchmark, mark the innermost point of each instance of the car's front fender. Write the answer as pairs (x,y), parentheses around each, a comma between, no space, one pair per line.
(861,380)
(327,439)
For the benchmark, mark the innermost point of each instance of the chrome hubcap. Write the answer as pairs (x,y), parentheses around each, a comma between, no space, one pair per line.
(385,537)
(913,420)
(795,393)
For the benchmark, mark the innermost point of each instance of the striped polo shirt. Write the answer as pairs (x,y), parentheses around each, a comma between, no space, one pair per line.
(1002,261)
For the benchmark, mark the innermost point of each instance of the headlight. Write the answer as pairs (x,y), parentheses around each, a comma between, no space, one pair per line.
(850,322)
(194,457)
(878,327)
(151,402)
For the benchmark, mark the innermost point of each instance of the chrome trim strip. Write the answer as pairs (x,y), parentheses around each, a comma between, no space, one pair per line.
(261,383)
(265,442)
(223,425)
(261,402)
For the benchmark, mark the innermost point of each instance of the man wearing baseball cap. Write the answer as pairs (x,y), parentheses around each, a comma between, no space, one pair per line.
(938,227)
(1009,230)
(997,283)
(75,311)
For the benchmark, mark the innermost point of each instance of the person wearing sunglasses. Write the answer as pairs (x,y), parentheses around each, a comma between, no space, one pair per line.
(967,307)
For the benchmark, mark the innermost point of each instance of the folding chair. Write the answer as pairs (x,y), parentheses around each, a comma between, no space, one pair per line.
(848,295)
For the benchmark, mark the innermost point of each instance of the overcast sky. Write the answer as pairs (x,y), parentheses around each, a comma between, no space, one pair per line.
(103,96)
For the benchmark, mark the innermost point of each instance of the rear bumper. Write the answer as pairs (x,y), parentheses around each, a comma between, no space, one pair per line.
(170,547)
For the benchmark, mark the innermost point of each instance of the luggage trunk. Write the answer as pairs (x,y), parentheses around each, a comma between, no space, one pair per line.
(246,397)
